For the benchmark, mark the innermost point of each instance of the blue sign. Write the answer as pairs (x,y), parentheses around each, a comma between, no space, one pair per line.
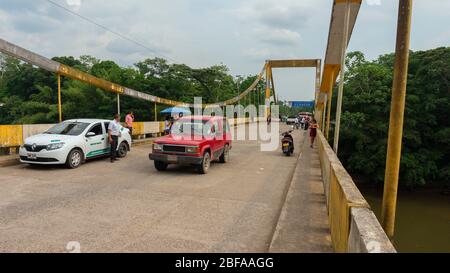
(299,104)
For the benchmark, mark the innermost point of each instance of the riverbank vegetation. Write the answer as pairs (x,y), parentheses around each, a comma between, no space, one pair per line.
(365,119)
(29,94)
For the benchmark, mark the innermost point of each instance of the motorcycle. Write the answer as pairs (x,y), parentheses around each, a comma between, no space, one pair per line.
(287,143)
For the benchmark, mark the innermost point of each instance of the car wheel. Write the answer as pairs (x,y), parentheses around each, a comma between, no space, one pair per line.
(122,150)
(161,166)
(74,159)
(206,163)
(225,157)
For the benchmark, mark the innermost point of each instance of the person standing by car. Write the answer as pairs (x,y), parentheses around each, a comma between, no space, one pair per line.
(129,119)
(113,136)
(313,131)
(166,126)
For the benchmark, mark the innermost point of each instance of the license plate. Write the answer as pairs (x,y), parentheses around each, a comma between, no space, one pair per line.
(285,144)
(31,156)
(172,158)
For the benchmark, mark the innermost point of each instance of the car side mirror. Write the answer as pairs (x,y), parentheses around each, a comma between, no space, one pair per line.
(90,134)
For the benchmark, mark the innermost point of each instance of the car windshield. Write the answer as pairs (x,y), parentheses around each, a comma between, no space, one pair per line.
(68,128)
(191,127)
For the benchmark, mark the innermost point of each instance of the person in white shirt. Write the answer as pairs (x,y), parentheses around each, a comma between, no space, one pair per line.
(303,121)
(113,136)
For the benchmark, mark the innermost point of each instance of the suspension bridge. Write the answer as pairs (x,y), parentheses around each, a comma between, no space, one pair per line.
(261,202)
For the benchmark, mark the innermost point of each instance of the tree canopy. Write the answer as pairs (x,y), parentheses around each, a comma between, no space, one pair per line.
(365,118)
(29,94)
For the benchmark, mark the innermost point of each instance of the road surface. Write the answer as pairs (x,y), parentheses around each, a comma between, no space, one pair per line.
(130,207)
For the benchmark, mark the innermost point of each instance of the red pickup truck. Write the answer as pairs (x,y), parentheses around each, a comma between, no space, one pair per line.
(193,140)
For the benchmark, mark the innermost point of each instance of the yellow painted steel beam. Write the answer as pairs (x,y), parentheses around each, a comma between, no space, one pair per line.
(394,147)
(317,83)
(292,63)
(87,78)
(244,93)
(329,101)
(345,1)
(272,82)
(297,63)
(59,98)
(267,96)
(332,62)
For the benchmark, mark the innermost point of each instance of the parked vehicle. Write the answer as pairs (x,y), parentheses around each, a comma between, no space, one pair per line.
(194,140)
(72,142)
(292,120)
(287,143)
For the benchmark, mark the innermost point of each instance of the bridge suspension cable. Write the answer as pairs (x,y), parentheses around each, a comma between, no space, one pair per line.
(125,37)
(64,70)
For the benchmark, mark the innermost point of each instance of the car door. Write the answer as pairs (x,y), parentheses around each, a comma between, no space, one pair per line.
(217,142)
(96,141)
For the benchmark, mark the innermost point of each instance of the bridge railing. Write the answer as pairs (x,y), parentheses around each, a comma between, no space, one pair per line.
(12,136)
(353,225)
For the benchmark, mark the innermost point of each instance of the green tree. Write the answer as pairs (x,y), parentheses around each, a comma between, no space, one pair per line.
(366,104)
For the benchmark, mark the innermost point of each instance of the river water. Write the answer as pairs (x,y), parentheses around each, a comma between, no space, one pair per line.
(422,220)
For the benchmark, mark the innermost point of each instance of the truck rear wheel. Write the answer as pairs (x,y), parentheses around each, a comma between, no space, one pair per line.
(225,157)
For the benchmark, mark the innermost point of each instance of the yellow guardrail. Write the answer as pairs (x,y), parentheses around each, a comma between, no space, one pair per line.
(14,135)
(353,225)
(11,135)
(342,195)
(138,128)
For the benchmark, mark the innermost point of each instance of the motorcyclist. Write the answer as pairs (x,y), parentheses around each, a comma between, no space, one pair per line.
(288,137)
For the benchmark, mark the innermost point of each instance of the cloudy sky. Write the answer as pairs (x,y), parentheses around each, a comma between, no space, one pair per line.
(239,34)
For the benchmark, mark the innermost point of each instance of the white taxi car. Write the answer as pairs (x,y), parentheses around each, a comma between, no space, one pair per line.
(72,142)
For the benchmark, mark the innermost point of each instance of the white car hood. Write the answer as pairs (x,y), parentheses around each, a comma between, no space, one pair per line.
(44,139)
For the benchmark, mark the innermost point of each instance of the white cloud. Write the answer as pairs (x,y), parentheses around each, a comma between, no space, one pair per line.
(241,34)
(259,54)
(76,4)
(278,37)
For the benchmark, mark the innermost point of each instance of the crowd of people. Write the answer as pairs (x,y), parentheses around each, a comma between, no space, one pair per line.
(169,121)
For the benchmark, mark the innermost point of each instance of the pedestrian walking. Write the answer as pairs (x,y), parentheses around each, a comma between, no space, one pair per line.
(129,119)
(113,136)
(313,131)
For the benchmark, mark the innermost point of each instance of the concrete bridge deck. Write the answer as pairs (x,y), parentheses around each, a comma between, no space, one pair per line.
(130,207)
(303,225)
